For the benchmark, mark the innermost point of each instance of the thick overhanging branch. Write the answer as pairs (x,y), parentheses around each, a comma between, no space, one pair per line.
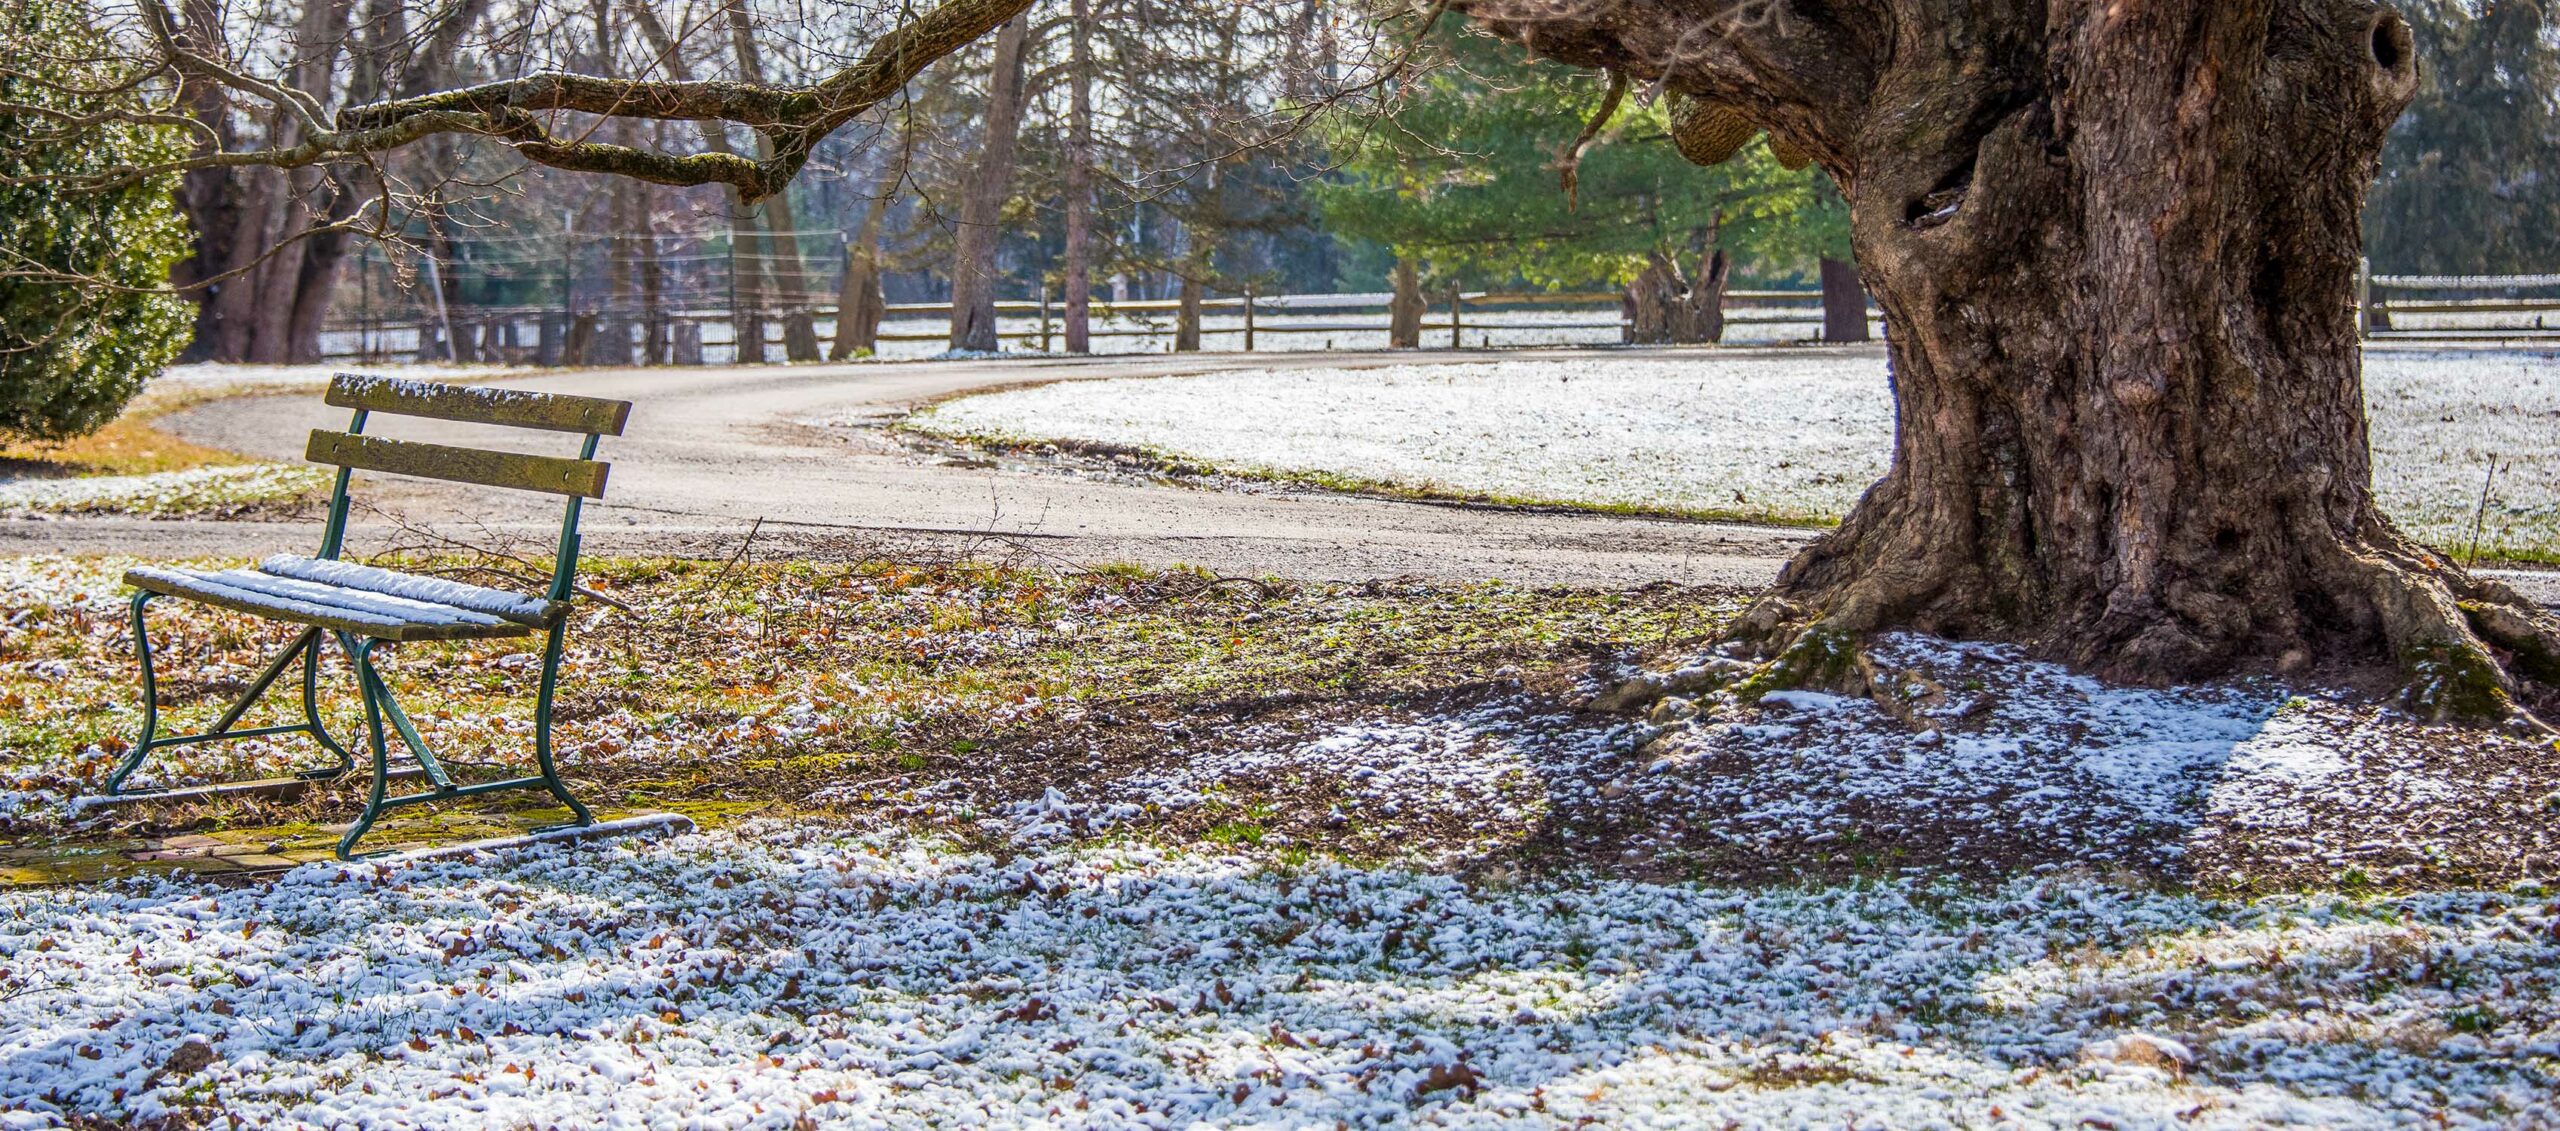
(1806,72)
(795,118)
(762,107)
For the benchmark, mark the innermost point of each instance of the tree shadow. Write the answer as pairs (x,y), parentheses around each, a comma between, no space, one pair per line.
(908,980)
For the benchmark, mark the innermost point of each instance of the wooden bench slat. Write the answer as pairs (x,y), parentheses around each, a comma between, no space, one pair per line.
(536,612)
(515,471)
(214,591)
(476,404)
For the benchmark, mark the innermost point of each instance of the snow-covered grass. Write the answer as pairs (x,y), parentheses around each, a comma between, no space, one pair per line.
(1139,850)
(164,493)
(773,976)
(1762,436)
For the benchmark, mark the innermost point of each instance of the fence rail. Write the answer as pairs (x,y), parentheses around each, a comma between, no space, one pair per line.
(691,334)
(2407,307)
(2459,308)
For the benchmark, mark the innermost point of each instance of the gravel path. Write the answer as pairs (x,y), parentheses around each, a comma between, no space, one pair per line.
(712,451)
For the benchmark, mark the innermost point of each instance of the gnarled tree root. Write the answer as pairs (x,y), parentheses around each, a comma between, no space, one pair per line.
(2469,649)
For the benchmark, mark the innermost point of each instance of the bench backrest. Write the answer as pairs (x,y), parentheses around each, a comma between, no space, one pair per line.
(579,479)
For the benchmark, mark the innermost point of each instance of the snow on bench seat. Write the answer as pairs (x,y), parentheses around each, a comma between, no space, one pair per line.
(516,607)
(373,615)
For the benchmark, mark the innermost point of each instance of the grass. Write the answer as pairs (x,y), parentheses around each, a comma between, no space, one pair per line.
(128,445)
(130,467)
(753,689)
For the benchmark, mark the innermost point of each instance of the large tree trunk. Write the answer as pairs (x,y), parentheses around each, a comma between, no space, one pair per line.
(2115,242)
(973,292)
(1079,178)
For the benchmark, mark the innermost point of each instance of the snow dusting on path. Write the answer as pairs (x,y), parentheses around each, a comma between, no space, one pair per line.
(1767,435)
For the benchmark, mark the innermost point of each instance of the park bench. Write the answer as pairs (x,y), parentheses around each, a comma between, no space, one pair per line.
(365,608)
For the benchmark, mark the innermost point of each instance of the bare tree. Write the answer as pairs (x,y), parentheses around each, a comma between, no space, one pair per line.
(300,126)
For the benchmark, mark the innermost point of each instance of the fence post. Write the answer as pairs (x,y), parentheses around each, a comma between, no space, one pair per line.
(1248,318)
(1456,300)
(2364,297)
(1044,315)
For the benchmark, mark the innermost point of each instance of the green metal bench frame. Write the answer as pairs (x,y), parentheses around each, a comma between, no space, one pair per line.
(579,480)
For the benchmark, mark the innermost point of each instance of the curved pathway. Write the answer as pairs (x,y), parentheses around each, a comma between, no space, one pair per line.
(775,460)
(711,452)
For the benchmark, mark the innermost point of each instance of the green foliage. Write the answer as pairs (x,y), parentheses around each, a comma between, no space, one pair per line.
(75,346)
(1466,175)
(2471,175)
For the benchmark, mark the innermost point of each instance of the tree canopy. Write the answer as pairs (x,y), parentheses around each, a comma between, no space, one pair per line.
(2471,174)
(84,316)
(1467,174)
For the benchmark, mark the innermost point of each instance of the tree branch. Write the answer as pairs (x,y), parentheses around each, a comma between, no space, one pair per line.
(794,117)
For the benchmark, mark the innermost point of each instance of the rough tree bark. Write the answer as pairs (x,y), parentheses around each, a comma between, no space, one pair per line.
(2115,243)
(973,293)
(1650,297)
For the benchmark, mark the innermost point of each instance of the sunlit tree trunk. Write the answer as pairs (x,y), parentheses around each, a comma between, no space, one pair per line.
(1404,310)
(2115,242)
(1079,180)
(973,295)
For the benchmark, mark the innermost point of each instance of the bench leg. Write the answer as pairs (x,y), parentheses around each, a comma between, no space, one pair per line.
(311,710)
(383,717)
(150,699)
(305,646)
(542,726)
(360,653)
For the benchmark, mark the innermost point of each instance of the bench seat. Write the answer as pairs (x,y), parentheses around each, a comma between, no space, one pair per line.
(364,600)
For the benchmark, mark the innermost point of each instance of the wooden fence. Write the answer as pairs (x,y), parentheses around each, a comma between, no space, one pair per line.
(546,334)
(2460,308)
(2393,307)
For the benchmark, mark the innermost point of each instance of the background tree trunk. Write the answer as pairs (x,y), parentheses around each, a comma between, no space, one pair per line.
(860,304)
(973,295)
(1844,303)
(1079,178)
(1186,315)
(1651,298)
(1404,311)
(1698,315)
